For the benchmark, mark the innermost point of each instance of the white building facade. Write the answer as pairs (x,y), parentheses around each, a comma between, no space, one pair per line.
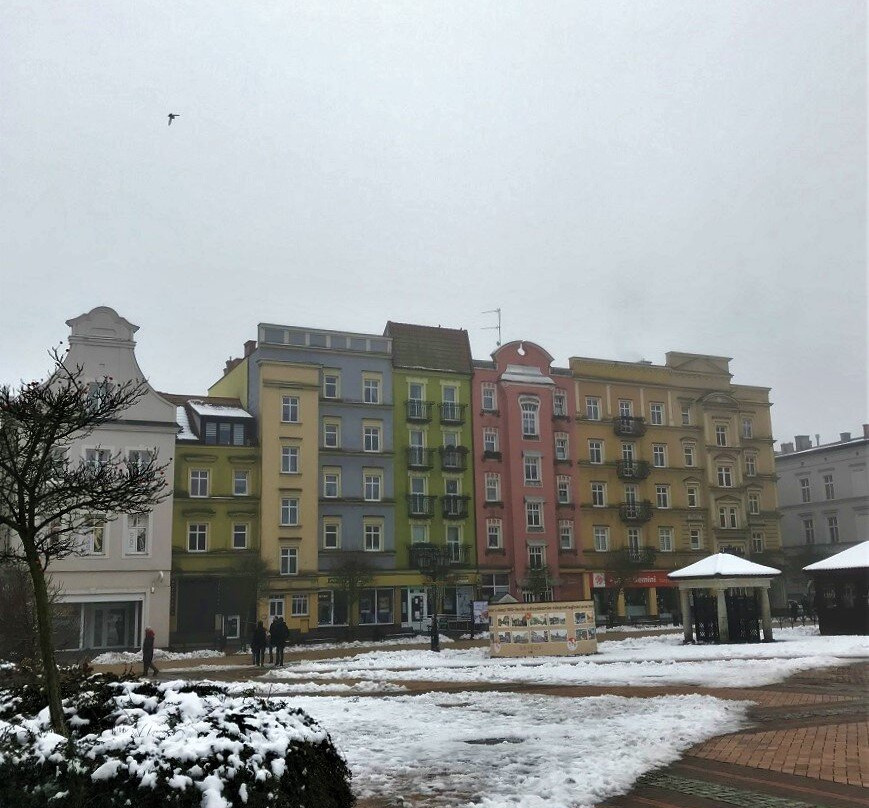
(121,582)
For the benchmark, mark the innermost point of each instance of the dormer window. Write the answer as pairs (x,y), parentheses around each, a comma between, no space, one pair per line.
(224,433)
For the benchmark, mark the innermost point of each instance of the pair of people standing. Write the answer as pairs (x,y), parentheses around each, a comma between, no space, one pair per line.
(279,633)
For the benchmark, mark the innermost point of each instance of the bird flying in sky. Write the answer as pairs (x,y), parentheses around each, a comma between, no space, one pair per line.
(173,116)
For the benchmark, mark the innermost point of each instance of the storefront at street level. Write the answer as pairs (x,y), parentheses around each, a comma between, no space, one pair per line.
(841,586)
(723,598)
(648,593)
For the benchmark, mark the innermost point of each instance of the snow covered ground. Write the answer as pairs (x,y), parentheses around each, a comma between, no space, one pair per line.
(131,657)
(504,750)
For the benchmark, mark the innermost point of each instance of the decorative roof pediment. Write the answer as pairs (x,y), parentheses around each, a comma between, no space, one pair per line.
(719,399)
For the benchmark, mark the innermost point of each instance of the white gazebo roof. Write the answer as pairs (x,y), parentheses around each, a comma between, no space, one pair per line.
(724,565)
(854,558)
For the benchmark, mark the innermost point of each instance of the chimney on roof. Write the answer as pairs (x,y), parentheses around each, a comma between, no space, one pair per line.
(844,436)
(249,347)
(803,442)
(866,430)
(230,364)
(787,448)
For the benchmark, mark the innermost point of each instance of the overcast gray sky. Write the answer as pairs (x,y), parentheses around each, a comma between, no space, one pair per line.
(622,179)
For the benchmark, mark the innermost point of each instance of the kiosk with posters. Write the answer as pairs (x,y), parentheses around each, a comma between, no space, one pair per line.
(565,628)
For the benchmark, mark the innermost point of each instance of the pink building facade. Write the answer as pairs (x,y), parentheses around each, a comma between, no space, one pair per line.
(526,498)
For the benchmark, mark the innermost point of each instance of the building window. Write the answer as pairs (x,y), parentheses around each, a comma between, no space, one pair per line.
(725,477)
(656,413)
(565,534)
(598,495)
(750,465)
(686,414)
(489,399)
(833,528)
(290,409)
(331,483)
(562,446)
(494,584)
(299,605)
(276,608)
(756,541)
(240,482)
(454,542)
(94,537)
(721,435)
(728,516)
(626,408)
(531,464)
(659,455)
(372,486)
(693,494)
(493,487)
(97,458)
(137,534)
(629,452)
(331,384)
(494,535)
(662,496)
(695,538)
(534,515)
(199,482)
(490,439)
(331,434)
(688,454)
(634,542)
(373,536)
(138,458)
(805,490)
(592,408)
(601,538)
(809,530)
(371,438)
(559,403)
(289,561)
(530,417)
(375,607)
(289,511)
(331,535)
(665,539)
(630,494)
(595,451)
(563,488)
(418,533)
(197,537)
(747,428)
(536,557)
(754,503)
(239,536)
(331,609)
(829,488)
(371,388)
(289,459)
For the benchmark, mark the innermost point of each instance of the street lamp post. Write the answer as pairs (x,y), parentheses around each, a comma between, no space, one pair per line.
(434,562)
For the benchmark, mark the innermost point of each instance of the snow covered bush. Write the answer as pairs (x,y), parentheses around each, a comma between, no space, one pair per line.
(167,744)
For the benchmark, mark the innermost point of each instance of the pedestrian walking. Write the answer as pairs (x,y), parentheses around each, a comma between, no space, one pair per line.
(279,634)
(258,643)
(148,652)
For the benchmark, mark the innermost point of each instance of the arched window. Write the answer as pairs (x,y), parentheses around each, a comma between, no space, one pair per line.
(530,417)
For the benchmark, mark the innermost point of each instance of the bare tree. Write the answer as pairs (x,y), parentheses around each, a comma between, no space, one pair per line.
(623,567)
(48,500)
(353,574)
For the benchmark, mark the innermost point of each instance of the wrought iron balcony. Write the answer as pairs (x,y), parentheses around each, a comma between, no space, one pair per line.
(632,469)
(418,410)
(420,458)
(491,454)
(421,505)
(455,506)
(458,553)
(452,413)
(635,512)
(629,425)
(454,458)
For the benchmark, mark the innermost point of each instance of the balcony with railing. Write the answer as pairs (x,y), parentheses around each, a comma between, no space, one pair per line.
(433,559)
(419,457)
(418,411)
(632,469)
(634,513)
(420,505)
(452,412)
(454,458)
(455,506)
(459,554)
(629,425)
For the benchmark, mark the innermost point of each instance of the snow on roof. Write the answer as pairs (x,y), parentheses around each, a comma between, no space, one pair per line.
(186,432)
(525,374)
(854,558)
(222,411)
(723,565)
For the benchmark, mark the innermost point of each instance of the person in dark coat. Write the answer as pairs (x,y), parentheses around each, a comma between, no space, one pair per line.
(270,640)
(148,651)
(279,634)
(258,643)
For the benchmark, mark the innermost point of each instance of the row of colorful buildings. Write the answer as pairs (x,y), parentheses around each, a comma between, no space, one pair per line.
(319,448)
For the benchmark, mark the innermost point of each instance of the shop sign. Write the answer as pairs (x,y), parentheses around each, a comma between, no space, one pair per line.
(646,579)
(598,580)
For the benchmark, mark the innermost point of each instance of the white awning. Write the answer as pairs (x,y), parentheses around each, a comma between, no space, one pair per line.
(854,558)
(724,565)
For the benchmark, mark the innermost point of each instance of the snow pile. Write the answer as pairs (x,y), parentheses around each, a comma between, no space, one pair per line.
(421,639)
(502,750)
(131,657)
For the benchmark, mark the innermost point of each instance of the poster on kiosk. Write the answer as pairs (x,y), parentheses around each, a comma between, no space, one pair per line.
(564,628)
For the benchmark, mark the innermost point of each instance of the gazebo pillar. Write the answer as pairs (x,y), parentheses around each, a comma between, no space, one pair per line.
(723,628)
(687,617)
(765,615)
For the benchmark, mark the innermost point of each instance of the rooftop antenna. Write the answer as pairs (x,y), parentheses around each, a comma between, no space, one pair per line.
(494,327)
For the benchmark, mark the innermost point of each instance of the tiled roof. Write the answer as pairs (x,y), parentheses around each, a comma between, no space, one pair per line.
(430,348)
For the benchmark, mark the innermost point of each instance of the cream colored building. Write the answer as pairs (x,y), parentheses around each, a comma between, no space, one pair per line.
(674,457)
